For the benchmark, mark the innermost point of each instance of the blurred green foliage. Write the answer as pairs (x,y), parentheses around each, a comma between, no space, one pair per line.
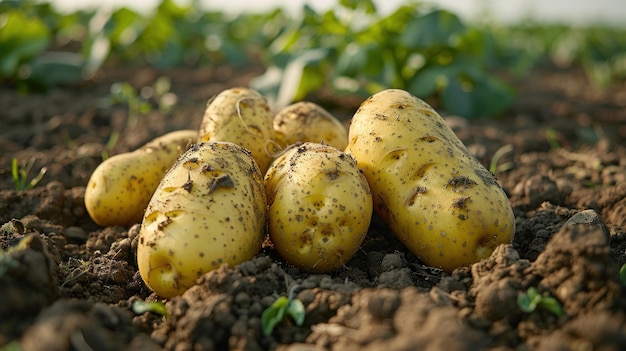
(352,48)
(600,50)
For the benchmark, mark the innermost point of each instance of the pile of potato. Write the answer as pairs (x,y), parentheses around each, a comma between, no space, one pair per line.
(210,197)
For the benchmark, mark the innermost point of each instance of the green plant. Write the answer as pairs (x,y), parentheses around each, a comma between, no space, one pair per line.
(125,93)
(139,102)
(494,166)
(283,307)
(531,300)
(622,274)
(20,175)
(353,48)
(600,50)
(12,346)
(553,139)
(28,32)
(157,307)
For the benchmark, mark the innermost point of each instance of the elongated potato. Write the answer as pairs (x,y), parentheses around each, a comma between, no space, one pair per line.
(319,206)
(306,121)
(241,116)
(120,187)
(209,210)
(436,197)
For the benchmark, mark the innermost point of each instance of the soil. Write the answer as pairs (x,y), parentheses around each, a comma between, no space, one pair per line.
(69,284)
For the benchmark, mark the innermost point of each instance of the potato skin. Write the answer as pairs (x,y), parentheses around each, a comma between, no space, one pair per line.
(306,121)
(241,116)
(209,210)
(120,187)
(319,206)
(442,204)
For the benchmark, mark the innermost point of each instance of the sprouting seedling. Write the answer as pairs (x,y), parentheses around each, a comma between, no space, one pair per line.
(113,138)
(622,274)
(531,300)
(283,307)
(553,139)
(494,167)
(20,175)
(157,307)
(124,92)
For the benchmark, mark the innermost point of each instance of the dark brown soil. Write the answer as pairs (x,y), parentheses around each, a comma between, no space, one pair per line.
(68,284)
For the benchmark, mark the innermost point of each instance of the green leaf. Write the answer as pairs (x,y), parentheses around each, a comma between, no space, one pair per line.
(532,300)
(430,80)
(469,92)
(622,274)
(489,95)
(456,99)
(296,311)
(157,307)
(21,39)
(54,68)
(436,28)
(367,5)
(551,304)
(123,27)
(528,302)
(360,58)
(274,315)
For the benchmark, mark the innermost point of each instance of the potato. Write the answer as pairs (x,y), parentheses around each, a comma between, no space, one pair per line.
(305,121)
(209,210)
(432,193)
(120,187)
(241,116)
(319,206)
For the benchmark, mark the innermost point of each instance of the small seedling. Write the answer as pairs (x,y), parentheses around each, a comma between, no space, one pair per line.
(124,92)
(113,138)
(157,307)
(20,175)
(532,300)
(553,140)
(494,167)
(282,308)
(622,274)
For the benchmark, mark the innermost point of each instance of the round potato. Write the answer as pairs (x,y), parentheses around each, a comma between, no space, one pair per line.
(208,210)
(241,116)
(306,121)
(120,187)
(433,194)
(319,206)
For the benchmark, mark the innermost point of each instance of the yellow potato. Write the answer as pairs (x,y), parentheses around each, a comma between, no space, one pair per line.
(209,210)
(319,206)
(120,187)
(433,194)
(241,116)
(305,121)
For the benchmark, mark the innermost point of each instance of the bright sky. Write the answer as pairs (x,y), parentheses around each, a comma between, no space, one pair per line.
(572,11)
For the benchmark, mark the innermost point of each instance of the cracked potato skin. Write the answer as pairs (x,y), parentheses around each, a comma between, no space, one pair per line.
(319,207)
(441,203)
(241,116)
(120,187)
(209,210)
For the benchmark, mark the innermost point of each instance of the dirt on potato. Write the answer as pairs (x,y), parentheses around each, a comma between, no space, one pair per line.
(69,284)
